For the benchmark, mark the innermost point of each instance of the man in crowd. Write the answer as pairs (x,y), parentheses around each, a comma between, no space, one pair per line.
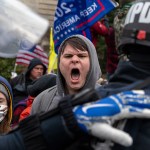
(20,83)
(57,129)
(78,69)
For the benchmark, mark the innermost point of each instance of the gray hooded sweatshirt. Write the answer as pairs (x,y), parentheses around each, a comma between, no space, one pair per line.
(49,99)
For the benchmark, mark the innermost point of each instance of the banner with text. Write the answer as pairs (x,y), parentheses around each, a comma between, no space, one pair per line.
(76,16)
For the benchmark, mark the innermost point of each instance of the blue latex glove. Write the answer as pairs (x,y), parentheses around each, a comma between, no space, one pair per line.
(98,117)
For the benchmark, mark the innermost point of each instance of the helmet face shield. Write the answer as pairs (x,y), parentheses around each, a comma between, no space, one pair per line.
(137,26)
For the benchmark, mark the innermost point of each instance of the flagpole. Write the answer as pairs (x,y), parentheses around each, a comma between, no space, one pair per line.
(15,67)
(54,62)
(50,48)
(13,73)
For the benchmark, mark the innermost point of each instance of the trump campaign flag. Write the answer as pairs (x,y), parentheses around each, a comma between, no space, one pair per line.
(76,17)
(27,53)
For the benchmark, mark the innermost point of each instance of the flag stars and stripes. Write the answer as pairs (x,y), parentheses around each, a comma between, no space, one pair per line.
(71,5)
(58,38)
(25,56)
(72,29)
(65,33)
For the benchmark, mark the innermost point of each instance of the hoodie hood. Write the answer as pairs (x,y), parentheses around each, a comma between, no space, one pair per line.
(94,71)
(34,62)
(7,90)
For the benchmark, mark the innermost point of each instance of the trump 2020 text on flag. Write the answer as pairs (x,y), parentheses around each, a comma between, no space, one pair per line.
(76,16)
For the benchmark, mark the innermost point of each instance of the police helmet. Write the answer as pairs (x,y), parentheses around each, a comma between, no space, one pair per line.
(136,31)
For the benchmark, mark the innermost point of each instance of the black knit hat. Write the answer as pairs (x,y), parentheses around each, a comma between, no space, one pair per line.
(34,62)
(41,84)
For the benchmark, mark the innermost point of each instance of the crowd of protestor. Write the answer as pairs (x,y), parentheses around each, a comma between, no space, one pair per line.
(76,108)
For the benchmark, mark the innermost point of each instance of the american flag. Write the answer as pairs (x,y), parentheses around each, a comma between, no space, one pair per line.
(25,56)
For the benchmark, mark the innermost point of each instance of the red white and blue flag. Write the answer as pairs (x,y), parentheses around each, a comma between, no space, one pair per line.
(24,56)
(76,17)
